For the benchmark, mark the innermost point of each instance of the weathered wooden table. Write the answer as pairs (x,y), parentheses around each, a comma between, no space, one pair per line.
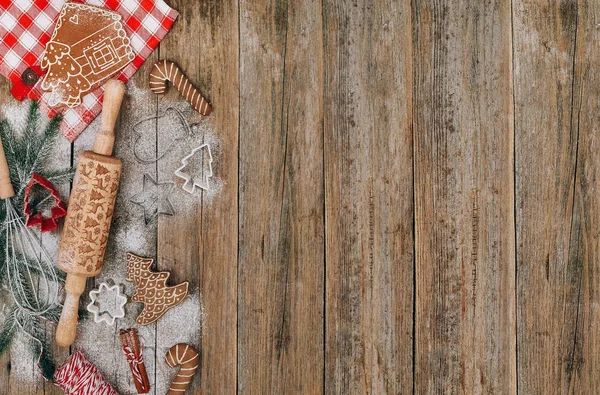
(411,199)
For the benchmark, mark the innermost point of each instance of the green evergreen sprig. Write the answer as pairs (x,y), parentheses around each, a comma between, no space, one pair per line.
(27,151)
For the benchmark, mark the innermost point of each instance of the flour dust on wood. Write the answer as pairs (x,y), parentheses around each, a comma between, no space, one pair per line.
(161,143)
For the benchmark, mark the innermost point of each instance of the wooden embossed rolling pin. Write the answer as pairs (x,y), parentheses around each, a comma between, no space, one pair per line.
(90,213)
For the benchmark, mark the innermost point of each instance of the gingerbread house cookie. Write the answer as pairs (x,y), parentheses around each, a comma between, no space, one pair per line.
(89,45)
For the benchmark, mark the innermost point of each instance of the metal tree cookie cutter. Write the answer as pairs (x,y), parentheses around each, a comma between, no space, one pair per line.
(107,303)
(195,180)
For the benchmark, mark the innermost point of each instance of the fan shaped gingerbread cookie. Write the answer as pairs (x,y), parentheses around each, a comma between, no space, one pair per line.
(89,45)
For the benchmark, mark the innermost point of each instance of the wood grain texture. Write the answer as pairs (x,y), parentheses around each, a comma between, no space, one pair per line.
(410,200)
(369,196)
(585,358)
(219,65)
(181,256)
(581,372)
(464,226)
(204,43)
(281,222)
(556,96)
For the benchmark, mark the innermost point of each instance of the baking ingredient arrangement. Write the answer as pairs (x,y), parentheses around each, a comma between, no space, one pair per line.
(74,70)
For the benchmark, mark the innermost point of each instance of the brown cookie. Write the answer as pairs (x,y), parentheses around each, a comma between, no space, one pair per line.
(89,45)
(186,356)
(164,71)
(151,289)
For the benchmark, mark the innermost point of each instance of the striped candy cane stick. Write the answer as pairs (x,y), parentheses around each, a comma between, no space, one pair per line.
(166,70)
(187,357)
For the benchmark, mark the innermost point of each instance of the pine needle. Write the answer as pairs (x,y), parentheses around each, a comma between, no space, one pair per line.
(31,325)
(46,362)
(8,331)
(29,138)
(59,176)
(53,314)
(27,152)
(49,138)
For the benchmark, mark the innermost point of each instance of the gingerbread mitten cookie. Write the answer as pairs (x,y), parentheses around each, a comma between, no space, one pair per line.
(89,45)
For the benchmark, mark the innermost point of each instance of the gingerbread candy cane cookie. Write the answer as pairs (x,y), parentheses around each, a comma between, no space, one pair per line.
(164,71)
(187,357)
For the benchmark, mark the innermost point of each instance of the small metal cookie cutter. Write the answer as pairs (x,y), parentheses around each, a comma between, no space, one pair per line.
(191,180)
(116,303)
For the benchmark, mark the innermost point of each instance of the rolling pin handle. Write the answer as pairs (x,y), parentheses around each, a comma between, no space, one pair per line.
(113,96)
(67,325)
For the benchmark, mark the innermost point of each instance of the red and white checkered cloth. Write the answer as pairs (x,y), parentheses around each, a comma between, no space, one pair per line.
(27,25)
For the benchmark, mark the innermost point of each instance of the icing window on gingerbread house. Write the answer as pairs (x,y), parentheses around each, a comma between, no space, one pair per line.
(88,46)
(101,56)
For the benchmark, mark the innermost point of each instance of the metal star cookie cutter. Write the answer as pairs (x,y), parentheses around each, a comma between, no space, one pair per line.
(116,304)
(191,181)
(154,201)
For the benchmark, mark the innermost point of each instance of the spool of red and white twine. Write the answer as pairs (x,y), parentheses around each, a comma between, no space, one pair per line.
(80,377)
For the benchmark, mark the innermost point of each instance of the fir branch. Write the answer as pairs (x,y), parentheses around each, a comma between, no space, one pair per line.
(8,331)
(27,290)
(83,314)
(41,348)
(53,314)
(47,142)
(30,324)
(26,152)
(8,137)
(39,269)
(29,136)
(58,176)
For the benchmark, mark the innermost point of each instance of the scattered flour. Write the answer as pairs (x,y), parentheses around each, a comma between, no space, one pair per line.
(176,138)
(102,345)
(184,322)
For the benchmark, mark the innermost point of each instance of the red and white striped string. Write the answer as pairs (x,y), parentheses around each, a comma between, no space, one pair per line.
(135,360)
(80,377)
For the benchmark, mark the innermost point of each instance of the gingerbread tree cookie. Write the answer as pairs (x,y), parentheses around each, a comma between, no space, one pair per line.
(89,45)
(151,289)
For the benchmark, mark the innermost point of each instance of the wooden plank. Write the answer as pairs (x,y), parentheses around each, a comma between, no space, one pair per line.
(369,197)
(219,67)
(281,214)
(201,245)
(464,226)
(580,373)
(180,237)
(556,96)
